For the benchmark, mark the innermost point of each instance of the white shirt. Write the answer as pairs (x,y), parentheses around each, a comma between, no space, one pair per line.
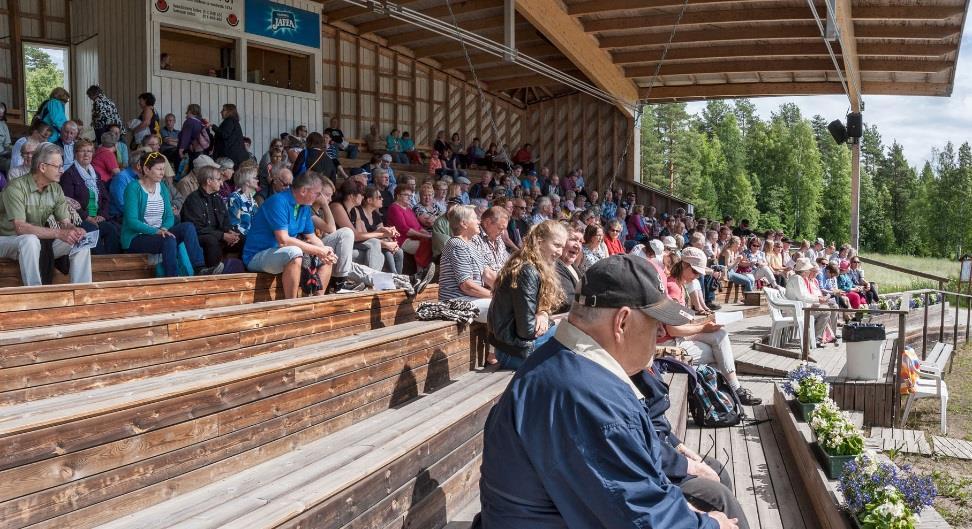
(155,208)
(583,345)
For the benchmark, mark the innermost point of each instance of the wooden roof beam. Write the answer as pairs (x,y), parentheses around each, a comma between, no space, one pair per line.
(604,6)
(537,49)
(475,25)
(766,32)
(568,35)
(353,11)
(822,64)
(764,14)
(734,90)
(513,70)
(525,81)
(848,51)
(800,49)
(443,45)
(459,8)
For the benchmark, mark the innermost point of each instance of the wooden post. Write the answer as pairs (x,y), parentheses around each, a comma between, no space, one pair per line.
(17,59)
(899,352)
(941,322)
(855,234)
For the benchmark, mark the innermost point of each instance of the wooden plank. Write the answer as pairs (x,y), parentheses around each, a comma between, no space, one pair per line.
(781,512)
(301,363)
(284,488)
(224,461)
(238,427)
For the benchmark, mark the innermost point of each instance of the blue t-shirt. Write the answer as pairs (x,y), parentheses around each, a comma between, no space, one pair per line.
(279,212)
(116,192)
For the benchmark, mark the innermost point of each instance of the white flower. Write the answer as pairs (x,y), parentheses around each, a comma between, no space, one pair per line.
(893,510)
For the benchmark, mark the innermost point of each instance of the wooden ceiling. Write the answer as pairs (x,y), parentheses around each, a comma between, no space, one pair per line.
(721,48)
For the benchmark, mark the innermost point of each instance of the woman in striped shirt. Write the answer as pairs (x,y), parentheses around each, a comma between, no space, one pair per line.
(149,226)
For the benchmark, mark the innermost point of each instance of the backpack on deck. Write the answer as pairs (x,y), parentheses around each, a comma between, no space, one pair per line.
(712,402)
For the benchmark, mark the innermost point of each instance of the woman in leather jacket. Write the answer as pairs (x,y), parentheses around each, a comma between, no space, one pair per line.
(527,290)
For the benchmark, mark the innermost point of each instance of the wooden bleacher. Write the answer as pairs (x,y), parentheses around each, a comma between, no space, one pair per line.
(44,362)
(103,268)
(342,406)
(24,307)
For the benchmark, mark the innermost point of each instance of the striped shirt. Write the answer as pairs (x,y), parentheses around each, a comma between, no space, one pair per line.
(460,262)
(154,208)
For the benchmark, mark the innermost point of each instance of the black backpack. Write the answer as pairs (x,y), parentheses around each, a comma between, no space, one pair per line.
(712,402)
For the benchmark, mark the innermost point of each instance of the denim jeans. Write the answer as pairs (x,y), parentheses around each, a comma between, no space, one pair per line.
(746,280)
(512,363)
(185,232)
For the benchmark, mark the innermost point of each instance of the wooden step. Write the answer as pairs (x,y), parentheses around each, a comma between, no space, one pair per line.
(44,362)
(103,268)
(753,362)
(25,307)
(335,481)
(69,460)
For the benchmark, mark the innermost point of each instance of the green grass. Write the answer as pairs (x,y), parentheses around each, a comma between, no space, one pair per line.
(890,281)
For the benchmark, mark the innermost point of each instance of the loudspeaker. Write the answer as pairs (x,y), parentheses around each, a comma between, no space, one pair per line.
(838,131)
(855,125)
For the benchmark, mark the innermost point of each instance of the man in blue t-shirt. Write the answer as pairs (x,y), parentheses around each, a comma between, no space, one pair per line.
(282,232)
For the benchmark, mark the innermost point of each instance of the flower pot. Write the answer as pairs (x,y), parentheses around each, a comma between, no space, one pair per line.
(832,465)
(855,523)
(802,410)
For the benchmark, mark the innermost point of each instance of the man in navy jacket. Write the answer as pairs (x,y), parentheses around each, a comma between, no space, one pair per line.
(570,443)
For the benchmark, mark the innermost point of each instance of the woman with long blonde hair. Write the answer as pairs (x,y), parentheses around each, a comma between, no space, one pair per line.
(527,290)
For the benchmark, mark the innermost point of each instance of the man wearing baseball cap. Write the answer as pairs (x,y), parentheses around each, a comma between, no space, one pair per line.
(570,443)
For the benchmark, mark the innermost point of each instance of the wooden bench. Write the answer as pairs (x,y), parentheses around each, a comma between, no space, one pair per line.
(823,494)
(103,268)
(25,307)
(48,361)
(88,458)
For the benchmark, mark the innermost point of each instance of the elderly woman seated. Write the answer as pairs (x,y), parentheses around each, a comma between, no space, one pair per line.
(463,272)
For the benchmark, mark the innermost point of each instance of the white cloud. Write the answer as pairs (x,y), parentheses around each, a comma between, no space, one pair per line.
(919,124)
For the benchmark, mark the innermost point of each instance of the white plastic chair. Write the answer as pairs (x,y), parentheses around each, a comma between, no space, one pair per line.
(931,383)
(792,309)
(781,323)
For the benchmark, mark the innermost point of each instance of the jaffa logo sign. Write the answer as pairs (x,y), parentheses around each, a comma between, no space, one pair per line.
(282,21)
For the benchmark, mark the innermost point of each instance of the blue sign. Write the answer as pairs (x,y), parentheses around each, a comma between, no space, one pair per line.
(281,22)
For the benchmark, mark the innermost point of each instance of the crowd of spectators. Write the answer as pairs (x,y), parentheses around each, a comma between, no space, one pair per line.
(518,241)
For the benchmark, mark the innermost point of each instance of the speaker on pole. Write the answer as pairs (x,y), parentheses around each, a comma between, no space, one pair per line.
(855,125)
(838,131)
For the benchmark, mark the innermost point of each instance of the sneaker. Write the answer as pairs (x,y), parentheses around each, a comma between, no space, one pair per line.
(419,283)
(714,306)
(746,397)
(405,283)
(211,270)
(338,284)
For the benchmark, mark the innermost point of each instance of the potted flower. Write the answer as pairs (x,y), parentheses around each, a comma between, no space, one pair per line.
(839,441)
(880,495)
(806,385)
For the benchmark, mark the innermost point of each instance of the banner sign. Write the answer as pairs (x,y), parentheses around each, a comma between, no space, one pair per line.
(227,14)
(282,22)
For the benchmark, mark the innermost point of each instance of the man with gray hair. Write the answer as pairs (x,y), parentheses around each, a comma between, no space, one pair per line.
(544,211)
(27,207)
(571,442)
(206,210)
(27,155)
(69,133)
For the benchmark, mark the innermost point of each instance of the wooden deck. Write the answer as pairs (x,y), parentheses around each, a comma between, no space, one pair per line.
(760,463)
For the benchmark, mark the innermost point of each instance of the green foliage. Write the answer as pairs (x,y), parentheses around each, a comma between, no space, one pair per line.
(787,173)
(42,76)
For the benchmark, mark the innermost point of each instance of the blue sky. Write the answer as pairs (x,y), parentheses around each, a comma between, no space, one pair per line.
(918,123)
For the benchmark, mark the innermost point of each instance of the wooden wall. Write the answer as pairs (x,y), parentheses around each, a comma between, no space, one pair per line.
(578,131)
(368,84)
(117,30)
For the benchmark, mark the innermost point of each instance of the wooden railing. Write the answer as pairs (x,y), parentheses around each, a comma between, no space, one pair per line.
(942,281)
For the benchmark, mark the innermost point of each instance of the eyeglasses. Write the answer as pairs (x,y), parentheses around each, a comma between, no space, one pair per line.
(56,166)
(149,157)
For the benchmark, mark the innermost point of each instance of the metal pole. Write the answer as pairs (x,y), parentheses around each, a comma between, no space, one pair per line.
(855,219)
(806,333)
(924,329)
(509,30)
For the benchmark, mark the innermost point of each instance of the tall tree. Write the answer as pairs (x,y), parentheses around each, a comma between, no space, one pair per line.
(900,180)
